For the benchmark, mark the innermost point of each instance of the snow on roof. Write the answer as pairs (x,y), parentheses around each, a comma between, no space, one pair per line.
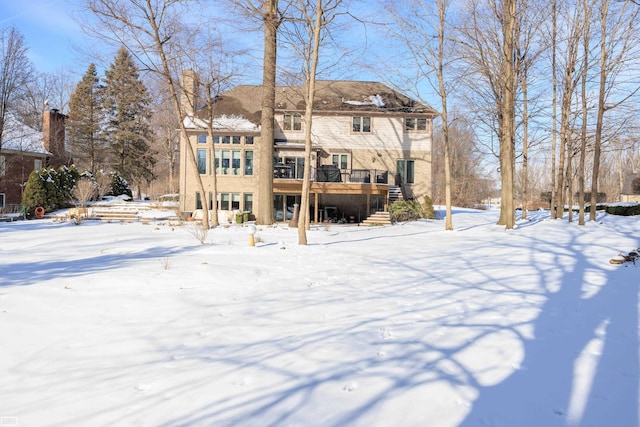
(373,100)
(17,136)
(232,122)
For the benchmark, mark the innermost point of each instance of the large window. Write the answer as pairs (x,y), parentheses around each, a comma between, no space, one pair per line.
(292,122)
(229,201)
(406,171)
(415,123)
(361,124)
(202,138)
(340,161)
(248,140)
(202,161)
(248,162)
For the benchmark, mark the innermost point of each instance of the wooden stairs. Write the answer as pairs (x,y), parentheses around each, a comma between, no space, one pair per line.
(378,218)
(395,194)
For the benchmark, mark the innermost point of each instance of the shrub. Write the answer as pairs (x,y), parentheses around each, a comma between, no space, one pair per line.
(119,186)
(34,194)
(623,210)
(429,212)
(406,210)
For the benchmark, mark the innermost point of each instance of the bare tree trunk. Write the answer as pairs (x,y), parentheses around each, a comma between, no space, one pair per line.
(444,114)
(310,89)
(554,109)
(507,115)
(583,130)
(597,147)
(271,23)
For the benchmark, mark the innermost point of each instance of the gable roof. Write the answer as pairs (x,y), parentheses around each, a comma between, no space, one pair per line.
(17,136)
(332,96)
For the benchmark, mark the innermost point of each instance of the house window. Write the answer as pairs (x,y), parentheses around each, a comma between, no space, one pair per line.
(226,139)
(235,201)
(226,162)
(248,162)
(292,122)
(216,139)
(406,171)
(235,162)
(202,161)
(248,140)
(340,161)
(361,124)
(2,204)
(37,164)
(415,123)
(248,202)
(3,166)
(224,201)
(235,139)
(202,138)
(198,201)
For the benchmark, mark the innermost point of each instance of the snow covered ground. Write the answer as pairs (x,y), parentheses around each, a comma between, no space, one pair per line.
(137,324)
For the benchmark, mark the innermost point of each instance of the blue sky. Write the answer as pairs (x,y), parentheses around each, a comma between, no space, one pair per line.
(50,32)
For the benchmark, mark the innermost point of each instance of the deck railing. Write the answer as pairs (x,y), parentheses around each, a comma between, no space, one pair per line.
(329,173)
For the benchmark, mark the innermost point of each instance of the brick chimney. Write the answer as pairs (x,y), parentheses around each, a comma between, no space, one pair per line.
(53,131)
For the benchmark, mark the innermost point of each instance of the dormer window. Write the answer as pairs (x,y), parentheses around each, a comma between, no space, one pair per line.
(361,124)
(292,122)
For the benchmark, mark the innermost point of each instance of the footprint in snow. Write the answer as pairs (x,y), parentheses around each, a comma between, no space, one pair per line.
(350,387)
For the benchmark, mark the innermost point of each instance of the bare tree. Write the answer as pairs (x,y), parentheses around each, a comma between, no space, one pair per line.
(490,35)
(271,16)
(618,23)
(153,31)
(423,28)
(84,191)
(15,72)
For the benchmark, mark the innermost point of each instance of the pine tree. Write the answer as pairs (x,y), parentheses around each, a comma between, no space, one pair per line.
(84,122)
(128,117)
(34,194)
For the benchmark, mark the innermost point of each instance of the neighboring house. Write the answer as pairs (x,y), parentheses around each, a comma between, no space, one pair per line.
(369,143)
(629,193)
(23,150)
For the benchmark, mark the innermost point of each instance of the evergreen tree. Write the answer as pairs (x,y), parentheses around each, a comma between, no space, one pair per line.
(84,122)
(34,194)
(128,120)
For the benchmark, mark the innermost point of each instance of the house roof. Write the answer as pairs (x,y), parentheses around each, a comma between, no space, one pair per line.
(17,136)
(332,96)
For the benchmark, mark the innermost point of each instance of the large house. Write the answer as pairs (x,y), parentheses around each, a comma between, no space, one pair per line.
(23,150)
(370,143)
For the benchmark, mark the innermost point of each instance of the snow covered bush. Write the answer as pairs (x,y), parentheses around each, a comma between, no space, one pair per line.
(119,186)
(49,188)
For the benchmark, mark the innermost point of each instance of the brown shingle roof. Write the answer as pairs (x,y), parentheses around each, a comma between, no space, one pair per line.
(331,96)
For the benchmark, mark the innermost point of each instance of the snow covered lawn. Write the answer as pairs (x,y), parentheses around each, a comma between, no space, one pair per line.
(108,324)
